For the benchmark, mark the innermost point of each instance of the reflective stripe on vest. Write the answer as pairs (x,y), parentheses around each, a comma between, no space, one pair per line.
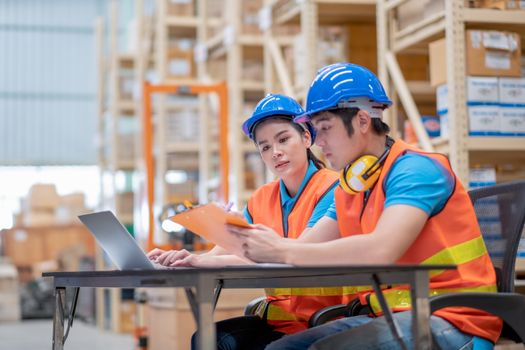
(458,254)
(400,300)
(326,291)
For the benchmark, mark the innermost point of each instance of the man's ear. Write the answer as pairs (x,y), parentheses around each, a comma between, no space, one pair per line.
(364,121)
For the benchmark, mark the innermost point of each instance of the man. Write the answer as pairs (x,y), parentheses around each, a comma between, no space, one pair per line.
(396,204)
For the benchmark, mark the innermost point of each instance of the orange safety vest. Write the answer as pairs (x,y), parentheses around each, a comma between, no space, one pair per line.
(451,236)
(289,309)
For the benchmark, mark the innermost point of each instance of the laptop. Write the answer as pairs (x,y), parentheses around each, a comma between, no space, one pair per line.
(116,241)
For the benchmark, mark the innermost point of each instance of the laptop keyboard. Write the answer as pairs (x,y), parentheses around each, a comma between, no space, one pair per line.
(163,267)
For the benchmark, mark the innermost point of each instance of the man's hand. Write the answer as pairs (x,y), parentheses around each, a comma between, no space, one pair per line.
(260,243)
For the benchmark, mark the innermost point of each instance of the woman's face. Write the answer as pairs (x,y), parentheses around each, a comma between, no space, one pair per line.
(282,147)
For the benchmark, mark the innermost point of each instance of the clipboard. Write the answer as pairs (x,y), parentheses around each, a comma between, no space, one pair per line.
(208,221)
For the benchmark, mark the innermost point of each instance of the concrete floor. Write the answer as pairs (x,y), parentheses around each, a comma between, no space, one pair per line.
(36,335)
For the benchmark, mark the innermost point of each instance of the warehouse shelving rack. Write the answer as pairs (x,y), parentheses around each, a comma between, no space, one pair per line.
(309,15)
(117,159)
(463,150)
(227,46)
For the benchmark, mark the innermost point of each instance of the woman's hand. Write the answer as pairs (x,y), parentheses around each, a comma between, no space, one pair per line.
(167,257)
(154,253)
(260,243)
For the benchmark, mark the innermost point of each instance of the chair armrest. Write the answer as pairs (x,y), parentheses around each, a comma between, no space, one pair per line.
(510,307)
(252,306)
(326,314)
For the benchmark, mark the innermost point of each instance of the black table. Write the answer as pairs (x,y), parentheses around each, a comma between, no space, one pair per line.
(203,287)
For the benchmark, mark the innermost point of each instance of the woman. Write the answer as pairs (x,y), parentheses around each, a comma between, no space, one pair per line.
(304,190)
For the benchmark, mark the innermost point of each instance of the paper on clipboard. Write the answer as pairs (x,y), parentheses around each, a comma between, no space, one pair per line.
(208,221)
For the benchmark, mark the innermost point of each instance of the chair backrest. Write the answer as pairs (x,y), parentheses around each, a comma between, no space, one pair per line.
(500,210)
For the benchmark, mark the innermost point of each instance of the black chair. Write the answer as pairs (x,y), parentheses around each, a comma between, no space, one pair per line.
(252,306)
(500,210)
(506,204)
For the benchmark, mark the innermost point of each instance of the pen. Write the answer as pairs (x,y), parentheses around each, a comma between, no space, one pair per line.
(228,206)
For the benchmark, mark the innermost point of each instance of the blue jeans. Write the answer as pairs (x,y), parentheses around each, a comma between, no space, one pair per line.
(363,332)
(242,333)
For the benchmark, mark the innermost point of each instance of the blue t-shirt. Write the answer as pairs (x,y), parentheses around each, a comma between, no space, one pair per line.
(287,202)
(416,180)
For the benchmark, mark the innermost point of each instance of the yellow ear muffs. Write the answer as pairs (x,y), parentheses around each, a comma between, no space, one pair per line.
(360,175)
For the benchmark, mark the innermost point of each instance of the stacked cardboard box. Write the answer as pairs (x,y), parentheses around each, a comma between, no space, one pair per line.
(44,207)
(495,91)
(489,53)
(38,208)
(26,246)
(9,295)
(182,125)
(181,63)
(496,106)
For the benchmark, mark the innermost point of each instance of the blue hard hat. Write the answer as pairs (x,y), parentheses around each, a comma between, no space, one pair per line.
(336,85)
(275,105)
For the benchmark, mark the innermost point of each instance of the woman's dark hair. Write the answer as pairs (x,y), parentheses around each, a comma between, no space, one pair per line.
(346,115)
(319,164)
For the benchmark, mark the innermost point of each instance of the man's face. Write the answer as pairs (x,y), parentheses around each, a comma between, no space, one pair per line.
(339,148)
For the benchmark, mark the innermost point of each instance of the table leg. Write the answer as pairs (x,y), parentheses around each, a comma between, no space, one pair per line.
(421,311)
(206,339)
(58,319)
(387,313)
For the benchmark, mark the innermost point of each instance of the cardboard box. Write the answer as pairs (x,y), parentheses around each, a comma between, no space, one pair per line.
(484,120)
(512,120)
(437,51)
(512,91)
(180,8)
(488,53)
(442,99)
(493,53)
(42,196)
(26,246)
(8,278)
(180,63)
(39,218)
(182,125)
(444,125)
(169,319)
(482,90)
(9,307)
(127,316)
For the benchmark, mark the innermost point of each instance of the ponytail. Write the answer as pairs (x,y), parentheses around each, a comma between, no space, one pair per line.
(319,164)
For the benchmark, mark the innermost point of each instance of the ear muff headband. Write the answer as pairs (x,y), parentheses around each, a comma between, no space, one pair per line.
(362,174)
